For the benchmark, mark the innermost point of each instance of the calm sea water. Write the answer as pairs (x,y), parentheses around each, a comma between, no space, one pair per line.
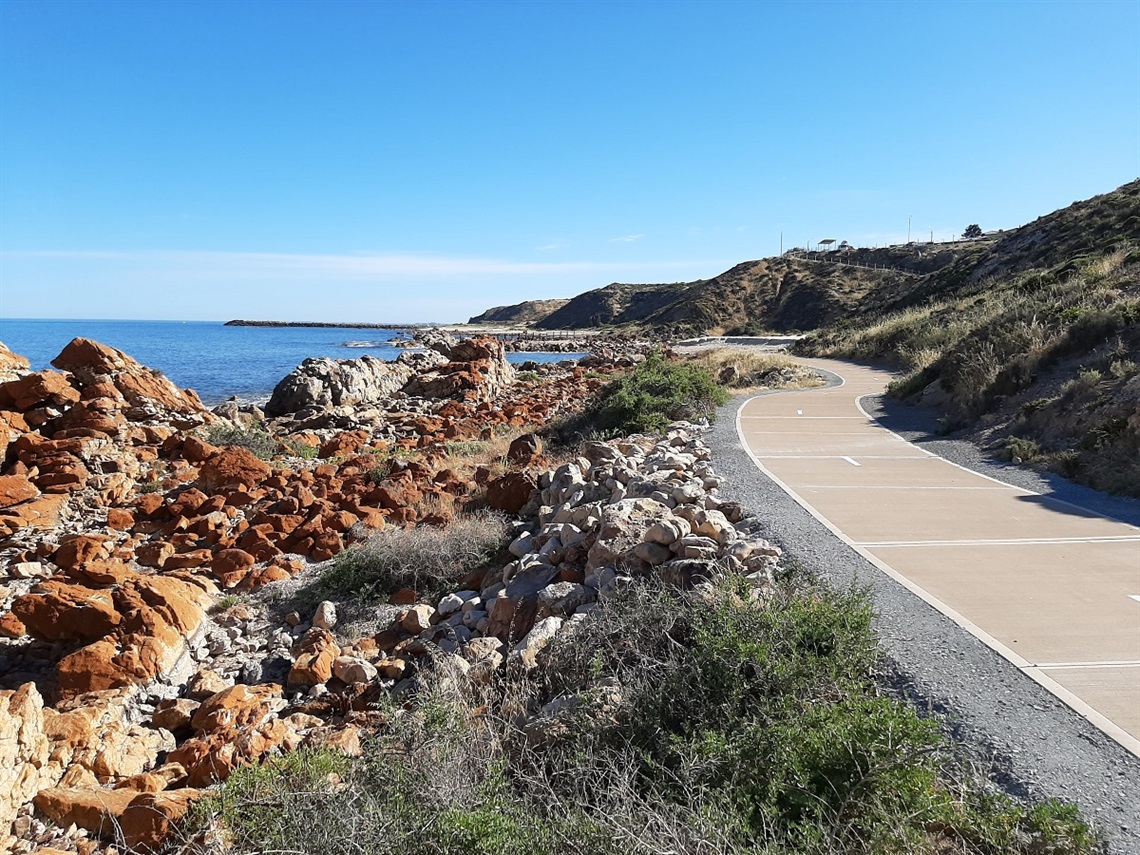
(214,360)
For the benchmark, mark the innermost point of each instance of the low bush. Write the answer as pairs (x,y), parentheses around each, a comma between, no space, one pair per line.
(256,439)
(657,392)
(428,559)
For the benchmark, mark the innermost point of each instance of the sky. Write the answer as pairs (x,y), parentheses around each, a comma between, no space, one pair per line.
(423,161)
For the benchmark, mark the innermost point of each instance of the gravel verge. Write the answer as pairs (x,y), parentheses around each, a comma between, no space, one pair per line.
(1028,741)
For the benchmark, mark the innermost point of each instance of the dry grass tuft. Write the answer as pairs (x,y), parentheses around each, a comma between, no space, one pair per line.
(747,369)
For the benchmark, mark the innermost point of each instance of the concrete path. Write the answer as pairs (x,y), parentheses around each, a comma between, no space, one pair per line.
(1052,587)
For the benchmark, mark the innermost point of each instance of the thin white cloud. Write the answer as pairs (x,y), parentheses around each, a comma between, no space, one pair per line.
(558,244)
(354,266)
(626,239)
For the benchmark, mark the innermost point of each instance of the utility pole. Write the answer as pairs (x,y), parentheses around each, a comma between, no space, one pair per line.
(908,219)
(781,242)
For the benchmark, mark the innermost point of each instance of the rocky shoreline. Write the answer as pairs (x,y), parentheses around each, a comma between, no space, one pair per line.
(132,677)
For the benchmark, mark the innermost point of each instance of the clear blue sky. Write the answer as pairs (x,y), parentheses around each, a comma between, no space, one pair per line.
(426,160)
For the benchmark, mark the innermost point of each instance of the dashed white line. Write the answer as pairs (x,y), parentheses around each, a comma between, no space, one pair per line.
(852,462)
(1068,666)
(1014,541)
(1135,597)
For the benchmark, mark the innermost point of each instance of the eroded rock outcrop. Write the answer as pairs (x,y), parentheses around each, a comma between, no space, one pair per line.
(472,370)
(322,383)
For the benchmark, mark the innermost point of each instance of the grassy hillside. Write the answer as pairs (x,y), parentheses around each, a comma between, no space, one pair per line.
(810,290)
(789,293)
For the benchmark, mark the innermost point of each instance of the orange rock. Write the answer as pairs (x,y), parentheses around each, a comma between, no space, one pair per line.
(149,504)
(11,626)
(151,817)
(120,519)
(403,597)
(98,666)
(41,514)
(510,492)
(193,558)
(230,566)
(15,489)
(155,553)
(59,612)
(158,613)
(314,663)
(93,364)
(186,503)
(343,444)
(237,706)
(325,546)
(341,521)
(231,468)
(79,549)
(34,389)
(197,450)
(97,810)
(111,572)
(174,714)
(62,473)
(345,739)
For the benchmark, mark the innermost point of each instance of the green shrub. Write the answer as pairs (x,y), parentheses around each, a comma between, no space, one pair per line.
(1021,450)
(256,439)
(646,400)
(296,448)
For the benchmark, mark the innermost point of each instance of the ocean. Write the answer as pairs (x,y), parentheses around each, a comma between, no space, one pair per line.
(216,361)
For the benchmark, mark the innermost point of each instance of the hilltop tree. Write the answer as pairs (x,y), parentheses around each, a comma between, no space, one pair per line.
(972,231)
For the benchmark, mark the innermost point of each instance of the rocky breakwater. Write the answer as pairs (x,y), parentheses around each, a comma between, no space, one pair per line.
(120,524)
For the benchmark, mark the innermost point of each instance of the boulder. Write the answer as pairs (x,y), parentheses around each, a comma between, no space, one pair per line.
(511,492)
(12,365)
(43,388)
(24,753)
(151,817)
(321,383)
(313,665)
(237,706)
(15,489)
(232,468)
(97,810)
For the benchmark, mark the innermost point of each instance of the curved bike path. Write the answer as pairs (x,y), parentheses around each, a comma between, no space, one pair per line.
(1052,587)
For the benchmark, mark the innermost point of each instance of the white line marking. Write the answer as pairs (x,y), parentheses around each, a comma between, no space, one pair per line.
(1135,597)
(775,456)
(852,462)
(799,412)
(1013,541)
(888,487)
(1069,665)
